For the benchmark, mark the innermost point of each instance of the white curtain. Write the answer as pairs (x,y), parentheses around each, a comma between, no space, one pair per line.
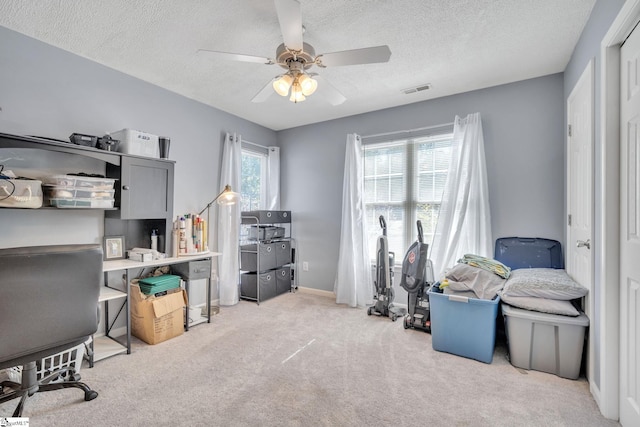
(353,285)
(273,179)
(464,222)
(229,222)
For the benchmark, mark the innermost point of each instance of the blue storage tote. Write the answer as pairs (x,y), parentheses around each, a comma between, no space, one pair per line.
(528,252)
(464,326)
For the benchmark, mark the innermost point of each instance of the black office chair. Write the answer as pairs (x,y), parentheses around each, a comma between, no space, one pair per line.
(48,304)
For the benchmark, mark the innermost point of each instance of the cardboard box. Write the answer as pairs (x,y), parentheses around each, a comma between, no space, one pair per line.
(157,319)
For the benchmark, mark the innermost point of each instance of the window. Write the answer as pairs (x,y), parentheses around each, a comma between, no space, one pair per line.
(404,182)
(252,186)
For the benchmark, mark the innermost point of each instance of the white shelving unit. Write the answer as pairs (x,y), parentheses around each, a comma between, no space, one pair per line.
(104,346)
(107,345)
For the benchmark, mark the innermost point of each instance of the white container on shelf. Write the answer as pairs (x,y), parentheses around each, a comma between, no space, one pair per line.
(85,182)
(137,143)
(20,193)
(59,191)
(73,202)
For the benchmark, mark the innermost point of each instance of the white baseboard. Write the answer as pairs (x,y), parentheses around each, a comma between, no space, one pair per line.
(327,294)
(330,294)
(400,305)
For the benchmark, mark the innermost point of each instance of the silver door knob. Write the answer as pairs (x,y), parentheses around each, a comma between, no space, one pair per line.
(582,243)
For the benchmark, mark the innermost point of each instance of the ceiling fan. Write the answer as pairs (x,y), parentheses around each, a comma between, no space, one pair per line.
(296,57)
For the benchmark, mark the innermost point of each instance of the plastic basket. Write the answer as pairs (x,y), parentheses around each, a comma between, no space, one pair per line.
(70,359)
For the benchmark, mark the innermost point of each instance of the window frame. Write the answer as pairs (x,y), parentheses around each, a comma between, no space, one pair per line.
(263,156)
(410,141)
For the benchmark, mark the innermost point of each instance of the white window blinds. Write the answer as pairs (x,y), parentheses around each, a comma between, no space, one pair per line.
(404,181)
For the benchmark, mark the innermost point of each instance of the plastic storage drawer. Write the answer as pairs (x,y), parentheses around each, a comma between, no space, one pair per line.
(249,283)
(464,326)
(545,342)
(81,203)
(80,181)
(249,256)
(59,191)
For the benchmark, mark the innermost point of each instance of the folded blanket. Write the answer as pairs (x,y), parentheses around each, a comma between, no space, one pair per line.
(463,278)
(488,264)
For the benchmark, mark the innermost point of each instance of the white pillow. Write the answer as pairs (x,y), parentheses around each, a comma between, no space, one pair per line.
(548,283)
(543,305)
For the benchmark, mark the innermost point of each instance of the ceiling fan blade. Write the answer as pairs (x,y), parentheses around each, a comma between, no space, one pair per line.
(329,92)
(265,92)
(367,55)
(237,57)
(290,18)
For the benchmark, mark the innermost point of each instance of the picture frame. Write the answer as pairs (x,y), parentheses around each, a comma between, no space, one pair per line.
(113,247)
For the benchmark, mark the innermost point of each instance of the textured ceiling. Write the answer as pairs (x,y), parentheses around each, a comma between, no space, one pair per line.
(455,45)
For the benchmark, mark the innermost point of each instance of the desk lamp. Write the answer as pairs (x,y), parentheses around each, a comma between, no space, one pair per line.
(225,198)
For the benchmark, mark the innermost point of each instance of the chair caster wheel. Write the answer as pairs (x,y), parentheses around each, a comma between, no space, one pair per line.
(90,395)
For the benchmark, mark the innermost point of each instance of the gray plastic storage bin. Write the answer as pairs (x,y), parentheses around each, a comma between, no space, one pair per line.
(249,283)
(249,256)
(283,280)
(545,342)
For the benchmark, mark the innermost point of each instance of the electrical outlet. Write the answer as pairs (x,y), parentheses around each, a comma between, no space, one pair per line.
(305,266)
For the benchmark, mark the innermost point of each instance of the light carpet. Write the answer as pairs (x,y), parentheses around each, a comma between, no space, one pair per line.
(302,360)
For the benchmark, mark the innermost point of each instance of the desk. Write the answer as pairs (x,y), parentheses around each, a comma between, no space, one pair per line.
(108,345)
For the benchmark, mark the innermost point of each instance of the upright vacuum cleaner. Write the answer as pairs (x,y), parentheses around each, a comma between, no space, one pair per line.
(385,261)
(417,277)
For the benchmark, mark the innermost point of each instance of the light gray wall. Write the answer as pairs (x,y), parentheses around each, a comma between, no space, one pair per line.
(49,92)
(587,49)
(523,134)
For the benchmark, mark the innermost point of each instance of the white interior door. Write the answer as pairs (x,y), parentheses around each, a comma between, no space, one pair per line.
(630,231)
(578,251)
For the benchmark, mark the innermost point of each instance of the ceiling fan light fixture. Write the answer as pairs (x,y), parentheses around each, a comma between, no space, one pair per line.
(308,84)
(282,85)
(296,93)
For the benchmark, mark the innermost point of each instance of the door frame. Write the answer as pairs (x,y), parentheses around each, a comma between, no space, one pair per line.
(587,79)
(608,264)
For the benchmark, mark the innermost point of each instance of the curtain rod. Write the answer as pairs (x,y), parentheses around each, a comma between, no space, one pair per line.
(244,141)
(407,131)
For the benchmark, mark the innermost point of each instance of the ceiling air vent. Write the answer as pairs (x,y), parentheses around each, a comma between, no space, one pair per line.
(417,89)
